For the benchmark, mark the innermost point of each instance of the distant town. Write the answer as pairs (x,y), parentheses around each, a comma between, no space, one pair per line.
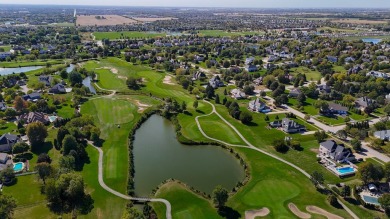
(149,112)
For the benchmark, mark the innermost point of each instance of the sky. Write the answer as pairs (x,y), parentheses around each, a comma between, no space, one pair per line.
(219,3)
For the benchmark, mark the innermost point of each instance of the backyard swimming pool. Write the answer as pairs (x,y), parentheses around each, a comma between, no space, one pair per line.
(52,118)
(370,200)
(342,171)
(18,167)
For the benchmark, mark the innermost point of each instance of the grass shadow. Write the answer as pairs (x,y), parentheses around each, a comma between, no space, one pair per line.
(45,148)
(200,111)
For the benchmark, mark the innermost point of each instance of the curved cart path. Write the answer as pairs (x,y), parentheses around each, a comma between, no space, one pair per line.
(251,146)
(102,184)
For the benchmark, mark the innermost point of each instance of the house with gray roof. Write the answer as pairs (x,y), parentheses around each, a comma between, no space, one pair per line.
(364,102)
(32,97)
(336,152)
(238,94)
(30,117)
(290,126)
(258,106)
(58,89)
(216,82)
(335,108)
(46,79)
(294,93)
(5,161)
(7,141)
(383,135)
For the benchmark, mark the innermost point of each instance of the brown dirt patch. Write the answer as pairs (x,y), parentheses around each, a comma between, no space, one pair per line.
(320,211)
(294,209)
(252,214)
(91,20)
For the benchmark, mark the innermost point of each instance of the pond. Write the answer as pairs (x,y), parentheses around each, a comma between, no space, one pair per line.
(87,83)
(159,156)
(70,68)
(8,71)
(371,40)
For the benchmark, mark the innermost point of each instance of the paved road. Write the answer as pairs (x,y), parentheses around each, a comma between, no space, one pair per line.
(261,151)
(102,184)
(375,153)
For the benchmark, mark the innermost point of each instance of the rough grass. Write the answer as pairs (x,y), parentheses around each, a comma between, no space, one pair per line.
(311,75)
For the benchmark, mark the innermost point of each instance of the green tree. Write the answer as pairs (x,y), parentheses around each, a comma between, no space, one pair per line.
(36,133)
(386,171)
(217,101)
(301,98)
(369,172)
(19,104)
(20,147)
(64,74)
(44,158)
(195,104)
(220,196)
(183,106)
(132,83)
(317,178)
(384,200)
(386,109)
(322,105)
(67,195)
(333,200)
(356,144)
(69,143)
(320,135)
(346,191)
(7,206)
(246,117)
(75,78)
(44,170)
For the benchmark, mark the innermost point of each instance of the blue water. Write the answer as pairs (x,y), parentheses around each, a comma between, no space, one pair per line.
(87,82)
(8,71)
(371,40)
(52,118)
(70,68)
(370,199)
(345,170)
(18,166)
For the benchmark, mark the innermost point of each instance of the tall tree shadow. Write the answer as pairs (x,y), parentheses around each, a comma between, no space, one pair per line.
(228,212)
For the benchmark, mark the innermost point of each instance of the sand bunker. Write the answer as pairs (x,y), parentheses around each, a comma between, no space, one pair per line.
(294,209)
(252,214)
(122,77)
(168,80)
(113,70)
(141,106)
(317,210)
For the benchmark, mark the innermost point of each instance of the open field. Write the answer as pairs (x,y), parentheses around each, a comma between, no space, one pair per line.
(358,21)
(91,20)
(337,29)
(126,34)
(311,75)
(152,19)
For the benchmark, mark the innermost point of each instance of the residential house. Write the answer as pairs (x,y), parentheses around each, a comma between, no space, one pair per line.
(30,117)
(323,88)
(4,55)
(237,94)
(294,93)
(3,106)
(258,106)
(258,81)
(7,141)
(363,102)
(5,161)
(335,108)
(377,74)
(251,68)
(355,69)
(32,97)
(58,89)
(46,79)
(349,59)
(383,135)
(290,126)
(249,61)
(197,75)
(332,59)
(336,152)
(216,82)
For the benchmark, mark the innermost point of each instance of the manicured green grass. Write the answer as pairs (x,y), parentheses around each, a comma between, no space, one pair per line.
(6,48)
(185,204)
(274,185)
(337,29)
(213,126)
(339,69)
(29,63)
(311,75)
(8,127)
(109,80)
(126,34)
(336,120)
(308,106)
(108,114)
(222,33)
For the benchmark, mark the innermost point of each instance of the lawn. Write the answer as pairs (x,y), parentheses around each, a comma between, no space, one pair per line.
(311,75)
(194,206)
(16,64)
(126,34)
(339,69)
(308,106)
(213,126)
(108,80)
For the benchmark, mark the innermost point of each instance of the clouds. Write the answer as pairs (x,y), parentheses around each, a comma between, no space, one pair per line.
(220,3)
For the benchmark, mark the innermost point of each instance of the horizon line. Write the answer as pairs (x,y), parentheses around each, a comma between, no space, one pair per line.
(230,7)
